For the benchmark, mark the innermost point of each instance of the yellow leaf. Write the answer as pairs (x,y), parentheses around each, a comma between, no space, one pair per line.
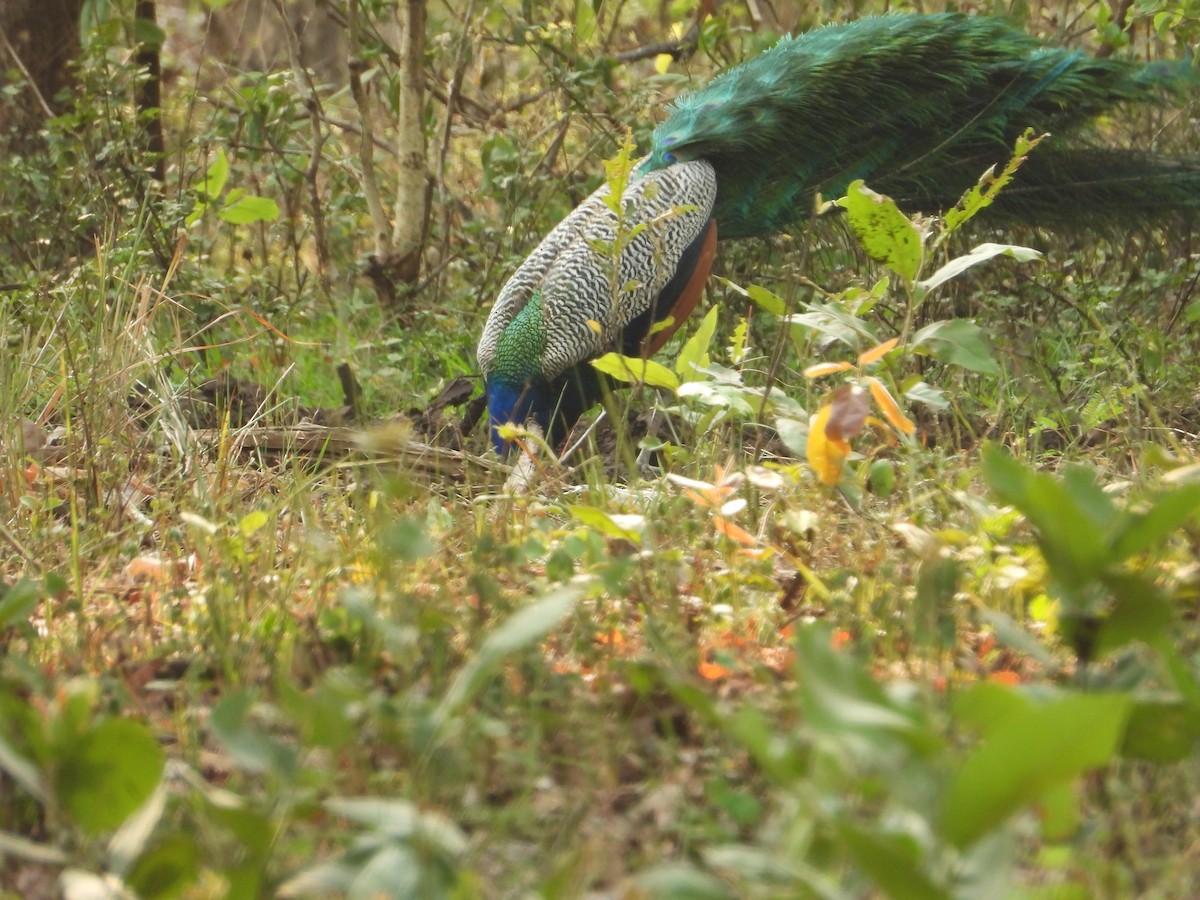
(877,353)
(635,369)
(595,326)
(889,407)
(829,368)
(662,62)
(826,455)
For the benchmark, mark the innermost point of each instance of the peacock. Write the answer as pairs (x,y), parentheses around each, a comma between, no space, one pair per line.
(919,106)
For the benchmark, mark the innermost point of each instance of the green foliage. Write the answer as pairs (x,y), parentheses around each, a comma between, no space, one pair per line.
(96,775)
(885,232)
(1088,542)
(237,207)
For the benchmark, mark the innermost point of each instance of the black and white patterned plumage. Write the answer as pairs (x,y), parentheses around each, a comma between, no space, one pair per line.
(576,282)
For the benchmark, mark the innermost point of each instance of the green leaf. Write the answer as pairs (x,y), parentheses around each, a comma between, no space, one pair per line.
(324,713)
(248,208)
(920,392)
(167,869)
(882,477)
(758,865)
(833,321)
(1073,544)
(987,705)
(981,195)
(1141,613)
(407,540)
(960,343)
(766,300)
(1058,812)
(392,871)
(1168,512)
(1028,755)
(633,370)
(841,698)
(253,829)
(402,819)
(620,526)
(617,173)
(885,233)
(209,187)
(778,759)
(107,773)
(523,628)
(18,601)
(794,435)
(1161,731)
(679,881)
(252,522)
(937,583)
(148,32)
(246,744)
(1012,635)
(585,20)
(694,354)
(134,834)
(982,253)
(891,862)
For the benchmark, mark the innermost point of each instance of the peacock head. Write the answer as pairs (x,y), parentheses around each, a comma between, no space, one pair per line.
(513,378)
(517,402)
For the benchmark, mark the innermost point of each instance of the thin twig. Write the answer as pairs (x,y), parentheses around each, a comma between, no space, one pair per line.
(32,85)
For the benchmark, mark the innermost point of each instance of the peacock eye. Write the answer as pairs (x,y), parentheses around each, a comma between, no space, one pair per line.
(669,158)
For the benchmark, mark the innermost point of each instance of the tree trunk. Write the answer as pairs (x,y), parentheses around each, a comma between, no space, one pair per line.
(408,237)
(38,38)
(397,259)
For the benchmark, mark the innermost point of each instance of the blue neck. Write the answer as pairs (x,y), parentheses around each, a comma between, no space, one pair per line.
(508,402)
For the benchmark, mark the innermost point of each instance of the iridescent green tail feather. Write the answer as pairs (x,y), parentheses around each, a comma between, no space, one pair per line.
(919,107)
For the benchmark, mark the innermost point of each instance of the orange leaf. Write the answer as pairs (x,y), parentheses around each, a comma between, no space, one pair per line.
(732,639)
(820,370)
(876,353)
(147,568)
(840,638)
(711,671)
(890,408)
(1005,676)
(734,532)
(826,455)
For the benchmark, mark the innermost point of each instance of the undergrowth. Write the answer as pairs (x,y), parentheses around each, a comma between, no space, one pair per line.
(946,649)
